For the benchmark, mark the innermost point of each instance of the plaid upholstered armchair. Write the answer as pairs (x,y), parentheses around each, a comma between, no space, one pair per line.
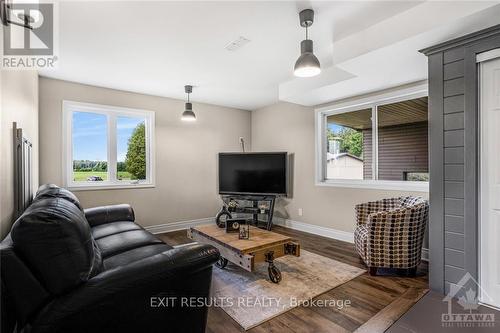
(390,233)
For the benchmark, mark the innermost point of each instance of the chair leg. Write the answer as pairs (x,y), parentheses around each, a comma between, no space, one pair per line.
(373,271)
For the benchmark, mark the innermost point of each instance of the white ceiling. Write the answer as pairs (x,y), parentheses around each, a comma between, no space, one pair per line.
(158,47)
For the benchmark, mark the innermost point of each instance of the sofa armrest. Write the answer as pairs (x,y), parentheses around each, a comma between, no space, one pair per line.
(106,214)
(122,296)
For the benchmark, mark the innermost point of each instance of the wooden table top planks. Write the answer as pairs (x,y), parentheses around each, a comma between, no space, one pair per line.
(259,238)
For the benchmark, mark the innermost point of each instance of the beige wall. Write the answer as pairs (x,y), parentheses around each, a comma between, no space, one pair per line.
(19,103)
(186,153)
(290,127)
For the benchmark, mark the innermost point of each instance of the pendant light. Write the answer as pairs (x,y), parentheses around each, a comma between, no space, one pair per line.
(307,65)
(188,114)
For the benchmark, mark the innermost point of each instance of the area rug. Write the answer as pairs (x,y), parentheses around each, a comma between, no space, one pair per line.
(251,299)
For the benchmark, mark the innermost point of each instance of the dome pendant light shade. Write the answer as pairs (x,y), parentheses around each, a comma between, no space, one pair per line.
(307,65)
(188,114)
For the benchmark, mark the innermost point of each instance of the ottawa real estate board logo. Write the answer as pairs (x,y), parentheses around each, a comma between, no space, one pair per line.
(466,312)
(28,35)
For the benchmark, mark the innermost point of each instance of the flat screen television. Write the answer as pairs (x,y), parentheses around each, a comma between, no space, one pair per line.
(253,173)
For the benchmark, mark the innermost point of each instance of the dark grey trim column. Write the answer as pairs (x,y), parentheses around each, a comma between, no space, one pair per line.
(454,157)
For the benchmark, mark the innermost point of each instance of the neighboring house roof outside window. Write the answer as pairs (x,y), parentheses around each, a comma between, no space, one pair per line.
(330,156)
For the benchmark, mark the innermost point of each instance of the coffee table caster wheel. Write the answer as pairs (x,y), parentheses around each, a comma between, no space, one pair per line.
(274,274)
(221,263)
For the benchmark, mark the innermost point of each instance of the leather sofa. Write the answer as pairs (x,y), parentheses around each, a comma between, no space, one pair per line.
(65,269)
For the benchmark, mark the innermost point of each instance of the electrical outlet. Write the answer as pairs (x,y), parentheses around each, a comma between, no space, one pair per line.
(300,211)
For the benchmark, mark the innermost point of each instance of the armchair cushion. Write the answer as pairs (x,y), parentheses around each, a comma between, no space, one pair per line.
(410,201)
(365,209)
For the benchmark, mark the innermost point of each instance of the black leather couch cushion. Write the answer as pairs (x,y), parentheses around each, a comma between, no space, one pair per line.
(112,228)
(125,241)
(54,238)
(130,256)
(53,191)
(107,214)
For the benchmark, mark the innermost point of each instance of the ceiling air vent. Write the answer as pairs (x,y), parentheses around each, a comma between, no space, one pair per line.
(236,44)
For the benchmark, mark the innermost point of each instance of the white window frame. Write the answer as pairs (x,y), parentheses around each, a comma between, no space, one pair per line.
(112,113)
(372,102)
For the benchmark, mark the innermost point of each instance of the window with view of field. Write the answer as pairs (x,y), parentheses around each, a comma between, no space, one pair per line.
(131,141)
(90,153)
(108,145)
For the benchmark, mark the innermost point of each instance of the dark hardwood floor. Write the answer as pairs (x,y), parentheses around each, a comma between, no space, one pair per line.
(376,301)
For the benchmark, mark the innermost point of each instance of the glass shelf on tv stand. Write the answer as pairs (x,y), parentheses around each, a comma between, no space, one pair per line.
(253,210)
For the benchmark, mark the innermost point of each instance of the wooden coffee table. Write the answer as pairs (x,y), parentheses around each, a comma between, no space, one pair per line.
(262,246)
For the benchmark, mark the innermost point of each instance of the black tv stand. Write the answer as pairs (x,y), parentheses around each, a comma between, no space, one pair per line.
(262,217)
